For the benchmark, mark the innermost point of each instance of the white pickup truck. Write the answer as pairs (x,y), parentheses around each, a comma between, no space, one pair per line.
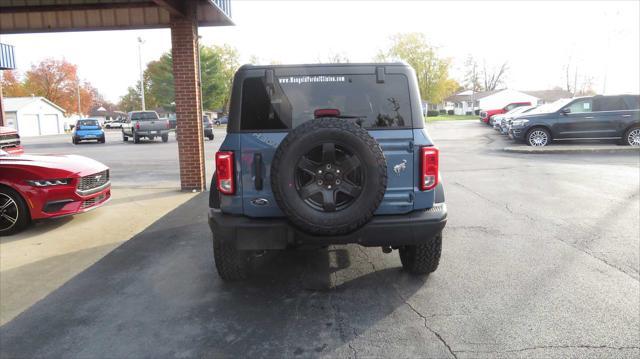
(145,124)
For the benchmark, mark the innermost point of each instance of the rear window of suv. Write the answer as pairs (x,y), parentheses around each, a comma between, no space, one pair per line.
(292,100)
(144,116)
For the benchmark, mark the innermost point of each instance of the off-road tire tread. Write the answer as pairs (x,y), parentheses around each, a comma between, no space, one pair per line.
(231,263)
(422,258)
(331,123)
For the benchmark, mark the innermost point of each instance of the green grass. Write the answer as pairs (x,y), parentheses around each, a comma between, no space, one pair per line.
(451,118)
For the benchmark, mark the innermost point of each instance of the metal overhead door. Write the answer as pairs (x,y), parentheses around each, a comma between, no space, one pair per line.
(28,125)
(49,125)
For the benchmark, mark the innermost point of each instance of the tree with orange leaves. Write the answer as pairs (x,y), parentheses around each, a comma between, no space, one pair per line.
(57,81)
(11,86)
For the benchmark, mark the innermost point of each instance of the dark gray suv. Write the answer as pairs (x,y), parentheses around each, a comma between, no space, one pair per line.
(595,117)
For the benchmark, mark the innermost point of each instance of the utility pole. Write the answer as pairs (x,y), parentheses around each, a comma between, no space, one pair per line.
(78,92)
(140,42)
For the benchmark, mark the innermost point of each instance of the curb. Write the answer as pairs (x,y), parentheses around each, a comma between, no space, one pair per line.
(577,149)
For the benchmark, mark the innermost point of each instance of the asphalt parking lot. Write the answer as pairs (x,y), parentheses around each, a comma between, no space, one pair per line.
(540,259)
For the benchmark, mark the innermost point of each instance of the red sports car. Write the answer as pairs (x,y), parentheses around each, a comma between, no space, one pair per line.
(46,186)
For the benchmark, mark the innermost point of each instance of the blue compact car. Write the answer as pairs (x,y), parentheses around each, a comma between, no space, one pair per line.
(88,129)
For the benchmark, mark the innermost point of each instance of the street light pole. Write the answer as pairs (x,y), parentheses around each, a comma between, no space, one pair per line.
(79,108)
(140,42)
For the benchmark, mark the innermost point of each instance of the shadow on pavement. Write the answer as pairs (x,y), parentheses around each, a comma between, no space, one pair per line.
(158,295)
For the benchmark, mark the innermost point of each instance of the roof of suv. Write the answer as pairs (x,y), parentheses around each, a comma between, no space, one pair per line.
(346,64)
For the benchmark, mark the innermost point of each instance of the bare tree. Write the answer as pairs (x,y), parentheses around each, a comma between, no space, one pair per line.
(494,76)
(472,74)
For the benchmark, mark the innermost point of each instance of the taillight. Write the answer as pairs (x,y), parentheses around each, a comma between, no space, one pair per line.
(168,125)
(225,172)
(137,125)
(429,168)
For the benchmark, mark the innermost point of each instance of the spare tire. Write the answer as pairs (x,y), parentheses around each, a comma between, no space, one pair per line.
(329,176)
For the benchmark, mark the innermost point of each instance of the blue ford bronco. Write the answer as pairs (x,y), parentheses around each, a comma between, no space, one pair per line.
(326,154)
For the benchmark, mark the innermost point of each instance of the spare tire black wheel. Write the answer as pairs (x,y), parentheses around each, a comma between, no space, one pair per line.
(329,176)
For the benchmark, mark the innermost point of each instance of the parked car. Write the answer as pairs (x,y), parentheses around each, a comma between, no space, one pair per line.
(115,123)
(485,115)
(326,154)
(47,186)
(208,127)
(221,120)
(498,120)
(145,124)
(10,140)
(594,117)
(87,129)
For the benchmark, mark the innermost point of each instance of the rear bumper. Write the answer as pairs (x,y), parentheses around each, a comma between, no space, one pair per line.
(155,133)
(277,233)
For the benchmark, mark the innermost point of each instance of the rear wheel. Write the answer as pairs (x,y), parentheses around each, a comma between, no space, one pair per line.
(14,213)
(422,258)
(538,137)
(632,137)
(231,263)
(74,141)
(210,137)
(136,138)
(165,138)
(124,137)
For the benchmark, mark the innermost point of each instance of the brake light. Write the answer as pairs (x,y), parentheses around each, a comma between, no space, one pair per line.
(429,168)
(137,125)
(168,125)
(225,172)
(326,112)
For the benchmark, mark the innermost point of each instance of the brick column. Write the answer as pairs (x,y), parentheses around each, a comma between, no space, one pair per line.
(184,41)
(1,106)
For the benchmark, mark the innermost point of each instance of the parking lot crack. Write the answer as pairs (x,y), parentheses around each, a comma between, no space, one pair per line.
(424,319)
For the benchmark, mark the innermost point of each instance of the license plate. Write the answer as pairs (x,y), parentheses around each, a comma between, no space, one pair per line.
(158,132)
(89,136)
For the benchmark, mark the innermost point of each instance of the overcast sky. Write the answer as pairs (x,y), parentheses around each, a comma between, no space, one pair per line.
(537,39)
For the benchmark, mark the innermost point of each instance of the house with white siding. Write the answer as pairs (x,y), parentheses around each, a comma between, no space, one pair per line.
(467,102)
(33,116)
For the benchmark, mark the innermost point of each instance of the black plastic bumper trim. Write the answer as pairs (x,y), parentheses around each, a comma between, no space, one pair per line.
(277,233)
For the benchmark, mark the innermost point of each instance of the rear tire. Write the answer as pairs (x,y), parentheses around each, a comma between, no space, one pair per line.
(136,138)
(165,138)
(422,258)
(74,141)
(124,137)
(231,263)
(210,137)
(16,209)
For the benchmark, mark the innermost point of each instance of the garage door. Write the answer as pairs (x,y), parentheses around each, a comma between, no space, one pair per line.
(49,125)
(28,125)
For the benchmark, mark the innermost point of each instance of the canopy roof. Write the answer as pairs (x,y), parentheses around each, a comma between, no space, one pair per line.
(19,16)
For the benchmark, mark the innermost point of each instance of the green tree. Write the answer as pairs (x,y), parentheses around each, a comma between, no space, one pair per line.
(432,71)
(131,101)
(217,67)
